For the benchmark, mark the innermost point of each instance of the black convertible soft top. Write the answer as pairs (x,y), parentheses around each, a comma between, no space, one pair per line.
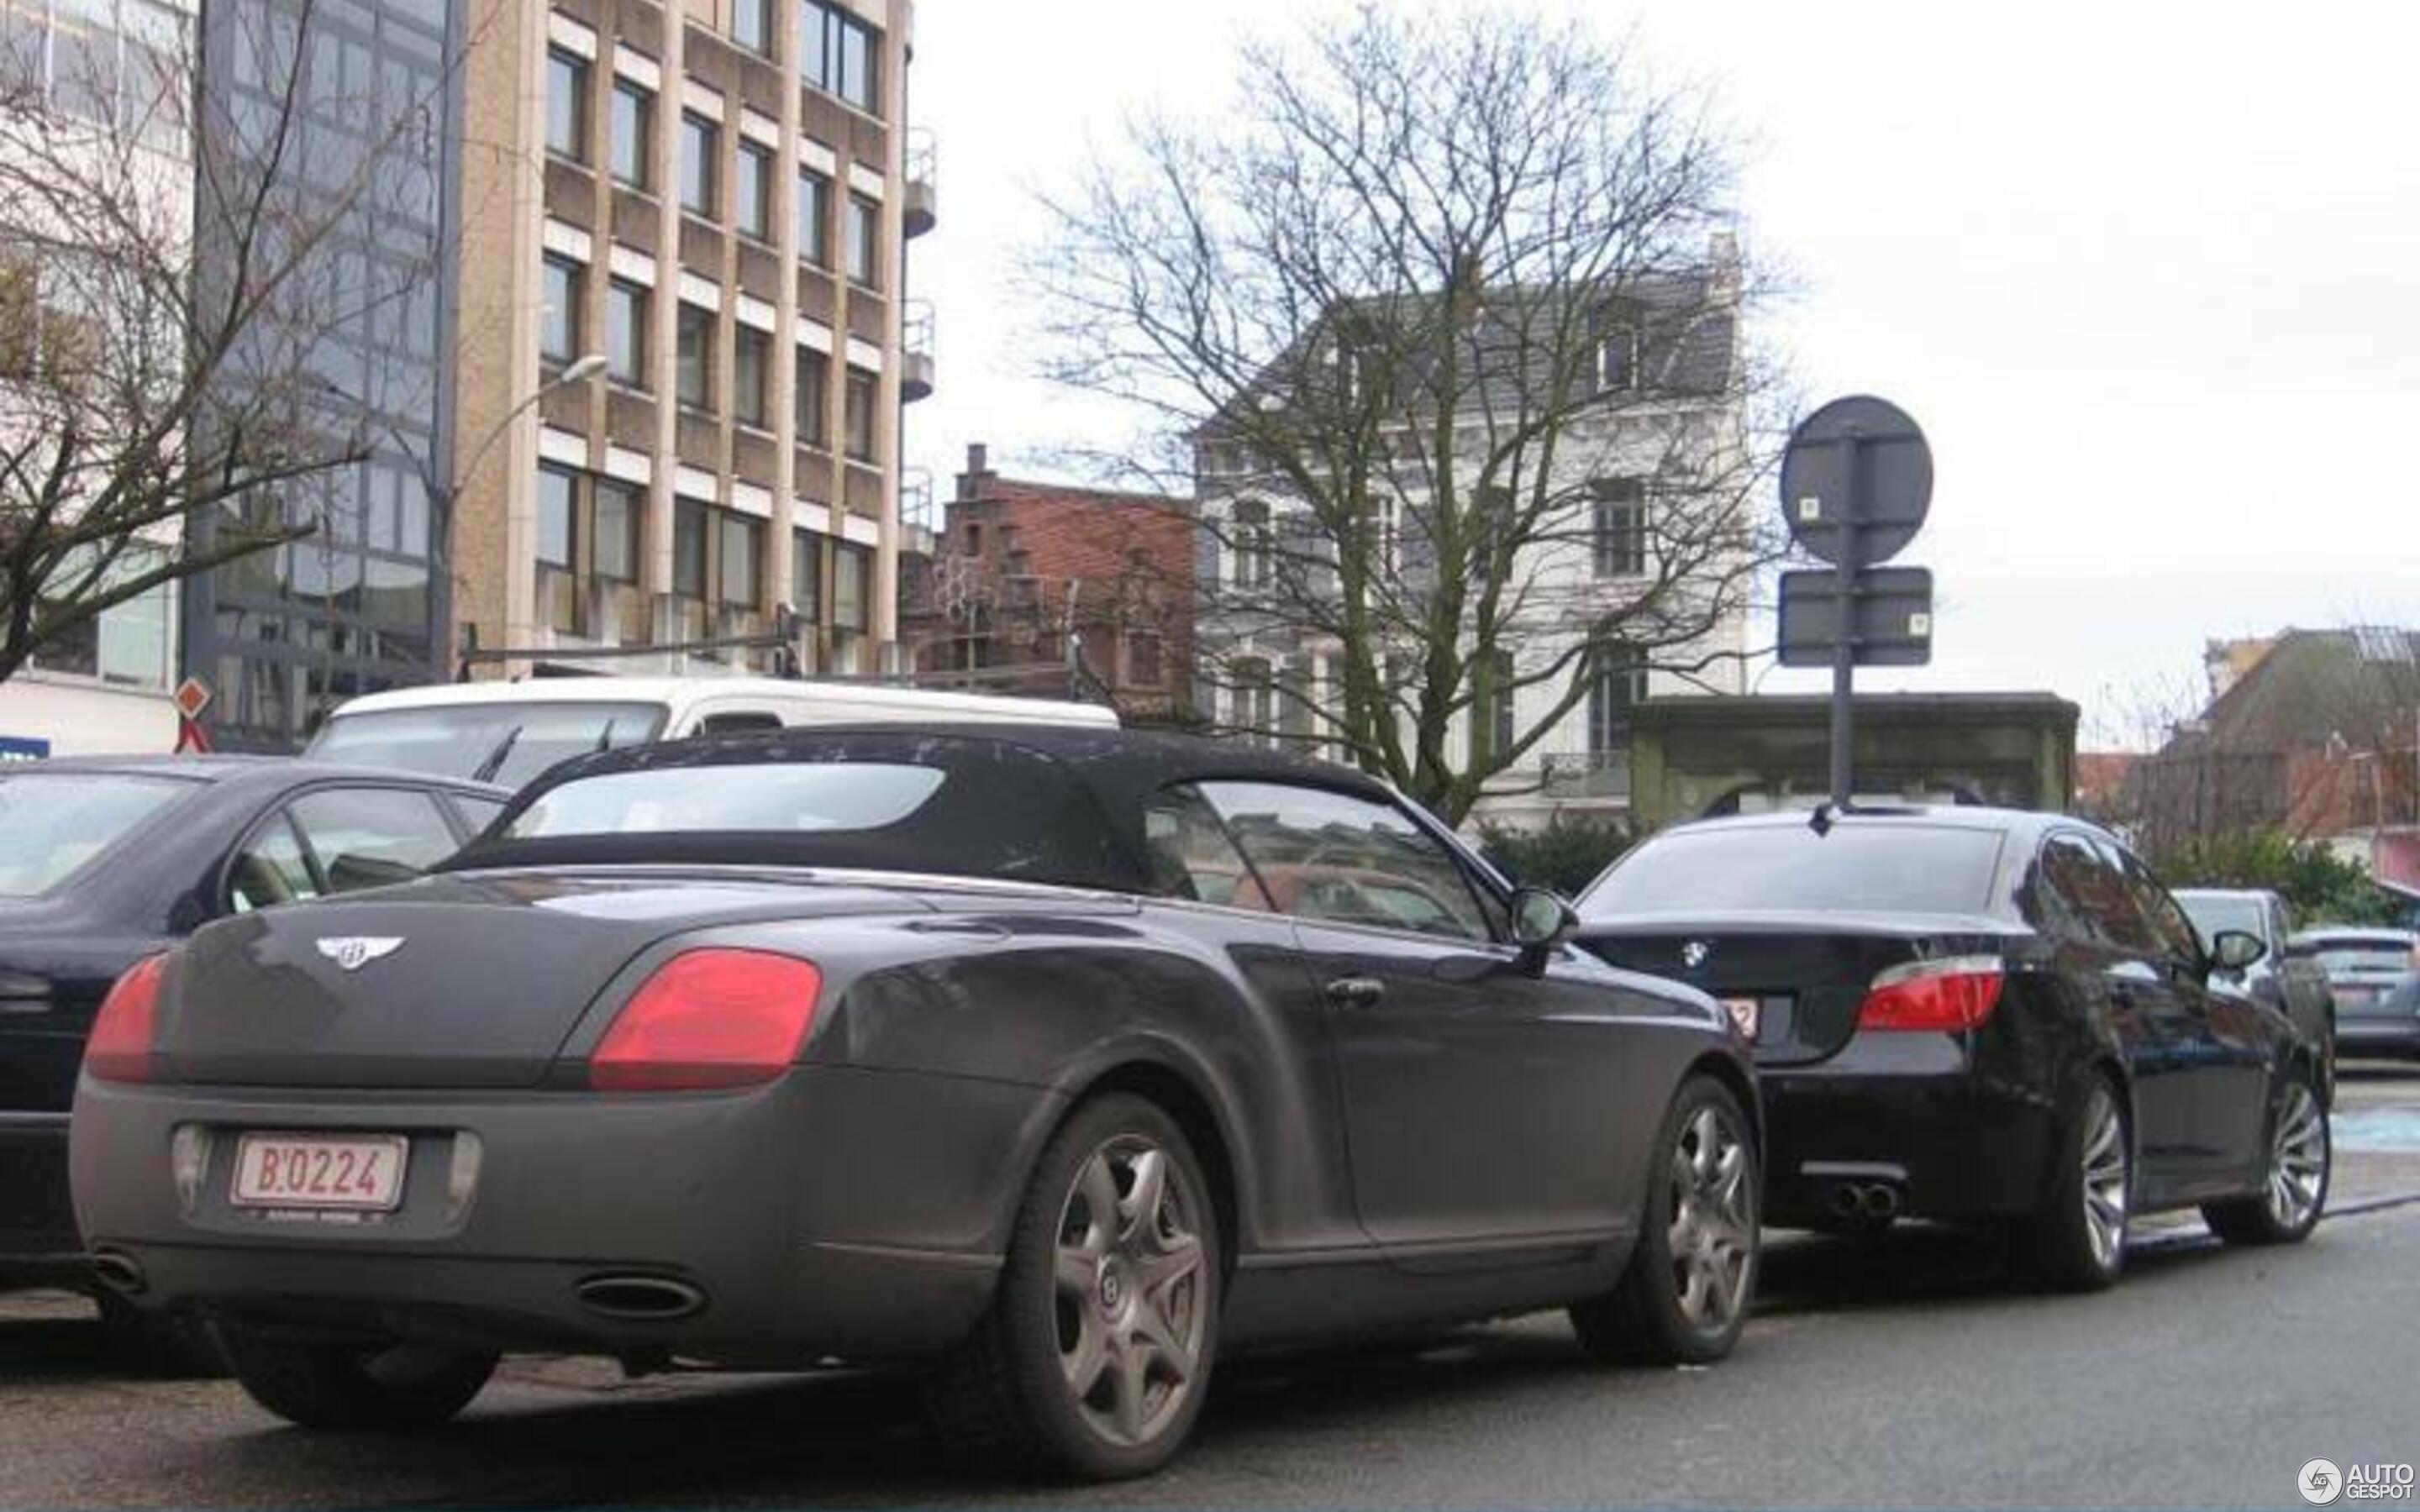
(1035,803)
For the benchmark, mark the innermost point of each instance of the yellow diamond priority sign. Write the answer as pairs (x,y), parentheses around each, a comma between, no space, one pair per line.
(192,696)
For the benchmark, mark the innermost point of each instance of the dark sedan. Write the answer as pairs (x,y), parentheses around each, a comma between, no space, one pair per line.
(992,1052)
(1976,1015)
(106,860)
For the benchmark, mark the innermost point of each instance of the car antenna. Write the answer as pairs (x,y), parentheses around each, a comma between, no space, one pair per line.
(1821,820)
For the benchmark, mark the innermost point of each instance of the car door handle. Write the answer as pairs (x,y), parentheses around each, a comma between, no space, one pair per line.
(1355,992)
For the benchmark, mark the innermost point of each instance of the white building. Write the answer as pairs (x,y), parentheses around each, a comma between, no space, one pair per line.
(122,65)
(1639,500)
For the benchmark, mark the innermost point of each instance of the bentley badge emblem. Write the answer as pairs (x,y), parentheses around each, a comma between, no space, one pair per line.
(354,951)
(1693,954)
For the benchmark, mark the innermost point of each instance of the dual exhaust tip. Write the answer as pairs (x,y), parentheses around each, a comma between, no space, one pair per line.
(1871,1200)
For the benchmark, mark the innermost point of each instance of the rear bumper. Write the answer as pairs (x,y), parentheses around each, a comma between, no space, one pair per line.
(2361,1032)
(835,1214)
(1904,1112)
(39,1246)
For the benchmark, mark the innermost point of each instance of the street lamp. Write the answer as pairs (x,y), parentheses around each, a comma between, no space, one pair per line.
(587,368)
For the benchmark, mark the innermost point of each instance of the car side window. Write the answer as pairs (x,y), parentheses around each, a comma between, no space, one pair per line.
(270,869)
(2085,898)
(2172,932)
(477,813)
(370,837)
(1190,855)
(1347,860)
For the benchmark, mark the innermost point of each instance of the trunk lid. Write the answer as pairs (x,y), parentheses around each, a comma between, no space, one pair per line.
(463,980)
(1807,971)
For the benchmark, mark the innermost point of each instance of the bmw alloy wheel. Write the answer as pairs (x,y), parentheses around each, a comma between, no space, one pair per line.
(2297,1159)
(1131,1275)
(2105,1177)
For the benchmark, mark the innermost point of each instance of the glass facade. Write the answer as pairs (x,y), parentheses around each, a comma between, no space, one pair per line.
(368,164)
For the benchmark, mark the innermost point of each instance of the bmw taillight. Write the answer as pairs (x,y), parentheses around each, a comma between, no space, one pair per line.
(1954,993)
(709,1019)
(119,1049)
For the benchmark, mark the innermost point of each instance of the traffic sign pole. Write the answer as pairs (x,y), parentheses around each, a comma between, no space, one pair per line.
(1844,642)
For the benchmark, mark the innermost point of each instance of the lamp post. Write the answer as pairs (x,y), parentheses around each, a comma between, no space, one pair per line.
(586,369)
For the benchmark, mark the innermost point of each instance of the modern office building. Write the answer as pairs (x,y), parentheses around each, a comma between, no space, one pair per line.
(363,164)
(684,336)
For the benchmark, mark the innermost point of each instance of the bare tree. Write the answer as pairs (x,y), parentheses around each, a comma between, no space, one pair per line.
(168,314)
(1443,321)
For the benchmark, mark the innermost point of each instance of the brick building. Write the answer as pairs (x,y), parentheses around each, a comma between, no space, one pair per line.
(1048,589)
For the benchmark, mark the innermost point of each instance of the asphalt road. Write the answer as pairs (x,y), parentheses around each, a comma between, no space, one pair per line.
(1901,1372)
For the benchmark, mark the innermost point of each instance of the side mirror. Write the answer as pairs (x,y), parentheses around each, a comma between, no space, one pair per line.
(2232,949)
(1541,922)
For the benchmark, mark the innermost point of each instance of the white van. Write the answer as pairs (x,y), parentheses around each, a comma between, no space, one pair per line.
(509,733)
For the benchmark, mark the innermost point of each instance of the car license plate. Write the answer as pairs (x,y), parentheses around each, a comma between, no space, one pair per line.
(2347,997)
(1746,1015)
(361,1173)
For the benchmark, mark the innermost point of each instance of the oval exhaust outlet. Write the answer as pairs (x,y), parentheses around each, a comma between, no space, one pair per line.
(640,1298)
(119,1273)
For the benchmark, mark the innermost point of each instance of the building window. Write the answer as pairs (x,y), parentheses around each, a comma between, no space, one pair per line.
(864,242)
(1143,668)
(1253,545)
(814,218)
(752,26)
(740,548)
(1617,687)
(859,403)
(688,548)
(1256,702)
(633,118)
(753,192)
(750,362)
(1499,704)
(559,321)
(626,332)
(701,147)
(126,643)
(807,575)
(693,358)
(567,105)
(615,534)
(851,567)
(810,399)
(1619,528)
(554,512)
(837,53)
(1617,359)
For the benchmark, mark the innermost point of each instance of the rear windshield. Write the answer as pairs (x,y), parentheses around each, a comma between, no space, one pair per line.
(1868,868)
(769,798)
(2210,914)
(507,742)
(2371,954)
(52,823)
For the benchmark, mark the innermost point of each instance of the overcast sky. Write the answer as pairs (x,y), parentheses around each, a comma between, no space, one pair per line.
(2147,275)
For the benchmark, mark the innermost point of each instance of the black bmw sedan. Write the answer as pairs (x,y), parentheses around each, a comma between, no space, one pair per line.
(1977,1014)
(106,860)
(1052,1062)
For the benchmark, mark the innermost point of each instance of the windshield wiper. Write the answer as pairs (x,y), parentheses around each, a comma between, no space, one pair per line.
(486,771)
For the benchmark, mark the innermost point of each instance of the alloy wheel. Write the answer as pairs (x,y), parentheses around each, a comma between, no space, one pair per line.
(2298,1158)
(1711,1237)
(2105,1183)
(1128,1297)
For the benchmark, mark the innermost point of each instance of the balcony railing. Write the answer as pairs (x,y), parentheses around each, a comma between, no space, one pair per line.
(920,204)
(916,351)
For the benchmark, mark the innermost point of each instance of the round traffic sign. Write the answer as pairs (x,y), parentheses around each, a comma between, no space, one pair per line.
(1862,462)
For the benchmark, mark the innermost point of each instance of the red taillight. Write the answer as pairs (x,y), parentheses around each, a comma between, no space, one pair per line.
(1958,993)
(119,1047)
(709,1019)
